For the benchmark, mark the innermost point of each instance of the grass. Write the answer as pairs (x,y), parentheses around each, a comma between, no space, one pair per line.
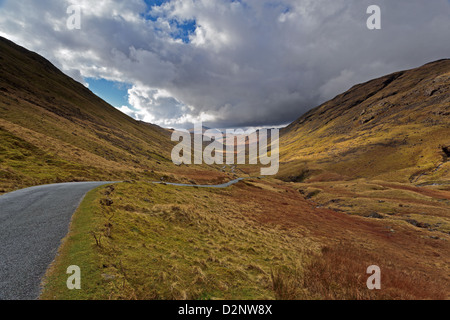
(53,129)
(77,249)
(23,164)
(359,154)
(260,239)
(392,202)
(158,244)
(338,273)
(390,129)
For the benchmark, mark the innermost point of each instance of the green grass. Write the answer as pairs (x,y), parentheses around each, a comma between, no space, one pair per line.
(78,249)
(161,242)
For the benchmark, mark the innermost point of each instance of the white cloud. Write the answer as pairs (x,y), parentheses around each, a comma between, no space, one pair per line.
(158,106)
(248,63)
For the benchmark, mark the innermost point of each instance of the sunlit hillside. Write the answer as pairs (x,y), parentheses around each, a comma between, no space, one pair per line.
(395,128)
(54,129)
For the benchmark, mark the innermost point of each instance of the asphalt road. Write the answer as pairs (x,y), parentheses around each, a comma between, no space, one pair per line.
(33,222)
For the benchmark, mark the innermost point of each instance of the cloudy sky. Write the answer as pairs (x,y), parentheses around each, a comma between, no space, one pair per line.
(229,63)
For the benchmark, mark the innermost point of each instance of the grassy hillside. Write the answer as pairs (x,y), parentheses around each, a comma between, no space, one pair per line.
(54,129)
(395,128)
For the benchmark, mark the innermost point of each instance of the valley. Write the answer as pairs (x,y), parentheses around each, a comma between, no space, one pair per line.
(364,180)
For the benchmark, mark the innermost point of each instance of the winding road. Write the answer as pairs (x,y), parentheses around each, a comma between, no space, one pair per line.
(33,222)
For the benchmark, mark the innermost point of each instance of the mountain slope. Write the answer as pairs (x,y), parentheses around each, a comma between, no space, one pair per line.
(54,129)
(394,128)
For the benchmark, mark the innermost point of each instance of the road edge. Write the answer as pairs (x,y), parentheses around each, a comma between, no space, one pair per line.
(76,245)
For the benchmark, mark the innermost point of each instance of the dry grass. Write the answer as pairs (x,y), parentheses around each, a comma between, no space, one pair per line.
(389,201)
(259,239)
(392,129)
(251,242)
(338,273)
(165,242)
(53,129)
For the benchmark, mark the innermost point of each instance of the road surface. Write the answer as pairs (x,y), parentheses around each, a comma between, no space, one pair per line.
(33,222)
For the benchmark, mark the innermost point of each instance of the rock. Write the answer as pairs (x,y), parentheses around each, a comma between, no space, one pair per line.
(430,91)
(367,119)
(375,215)
(419,224)
(312,194)
(106,202)
(108,277)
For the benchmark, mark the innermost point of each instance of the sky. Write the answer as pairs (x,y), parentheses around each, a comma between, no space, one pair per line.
(241,63)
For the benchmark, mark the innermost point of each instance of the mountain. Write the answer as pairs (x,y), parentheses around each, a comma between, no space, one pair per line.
(395,128)
(54,129)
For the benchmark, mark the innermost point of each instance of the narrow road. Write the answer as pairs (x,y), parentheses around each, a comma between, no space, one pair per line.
(33,222)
